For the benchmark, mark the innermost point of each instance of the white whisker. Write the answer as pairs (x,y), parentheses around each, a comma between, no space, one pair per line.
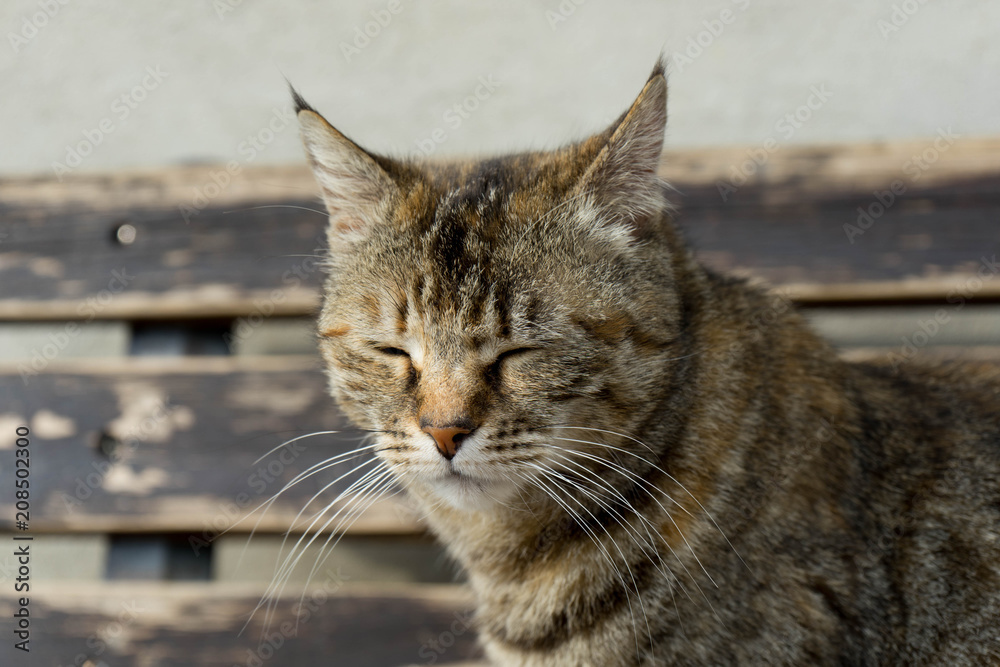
(282,569)
(361,503)
(671,478)
(325,214)
(628,474)
(302,476)
(288,442)
(647,524)
(548,475)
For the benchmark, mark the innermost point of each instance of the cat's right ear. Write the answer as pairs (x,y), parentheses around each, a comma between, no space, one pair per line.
(355,188)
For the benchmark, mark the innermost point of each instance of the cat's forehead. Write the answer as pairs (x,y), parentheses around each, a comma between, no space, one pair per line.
(466,230)
(475,246)
(504,184)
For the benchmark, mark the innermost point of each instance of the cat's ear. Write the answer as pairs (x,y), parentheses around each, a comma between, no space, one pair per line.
(621,182)
(355,187)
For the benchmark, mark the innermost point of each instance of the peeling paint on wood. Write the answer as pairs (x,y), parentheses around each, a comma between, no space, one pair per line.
(260,242)
(171,445)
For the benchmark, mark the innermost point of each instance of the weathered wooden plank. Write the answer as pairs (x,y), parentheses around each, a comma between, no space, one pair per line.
(930,251)
(933,327)
(791,174)
(20,341)
(221,263)
(383,559)
(170,445)
(195,244)
(979,354)
(181,437)
(254,246)
(338,623)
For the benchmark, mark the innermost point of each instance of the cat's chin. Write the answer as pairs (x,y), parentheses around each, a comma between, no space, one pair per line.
(471,494)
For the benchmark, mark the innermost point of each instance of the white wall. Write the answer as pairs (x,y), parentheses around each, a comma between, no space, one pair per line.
(223,73)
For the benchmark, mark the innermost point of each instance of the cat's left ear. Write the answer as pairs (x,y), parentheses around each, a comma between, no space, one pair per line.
(355,187)
(621,182)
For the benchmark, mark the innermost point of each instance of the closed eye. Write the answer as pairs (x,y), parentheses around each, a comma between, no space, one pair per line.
(503,356)
(393,351)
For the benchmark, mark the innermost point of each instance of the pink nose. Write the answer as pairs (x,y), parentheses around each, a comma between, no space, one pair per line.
(447,439)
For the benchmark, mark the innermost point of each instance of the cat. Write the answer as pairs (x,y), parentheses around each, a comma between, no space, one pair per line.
(631,464)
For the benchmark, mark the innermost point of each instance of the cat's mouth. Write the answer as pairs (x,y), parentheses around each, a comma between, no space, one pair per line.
(458,488)
(452,475)
(466,491)
(455,476)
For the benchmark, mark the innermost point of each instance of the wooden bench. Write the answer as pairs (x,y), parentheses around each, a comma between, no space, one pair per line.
(156,339)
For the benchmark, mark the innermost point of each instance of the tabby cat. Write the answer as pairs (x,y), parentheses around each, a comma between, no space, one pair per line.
(634,465)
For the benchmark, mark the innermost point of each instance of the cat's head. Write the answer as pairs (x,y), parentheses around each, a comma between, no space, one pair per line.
(480,314)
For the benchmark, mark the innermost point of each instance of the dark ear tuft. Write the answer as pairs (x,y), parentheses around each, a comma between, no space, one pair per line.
(660,68)
(298,100)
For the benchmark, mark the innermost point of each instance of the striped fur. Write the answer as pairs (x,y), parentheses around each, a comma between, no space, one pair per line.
(665,466)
